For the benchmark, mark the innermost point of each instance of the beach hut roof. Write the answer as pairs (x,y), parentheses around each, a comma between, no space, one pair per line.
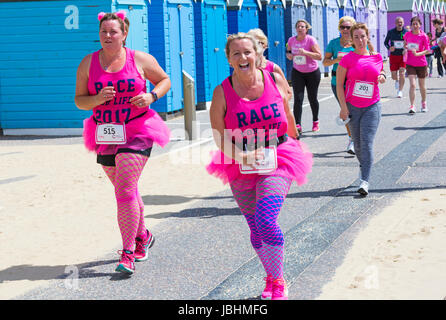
(383,3)
(344,3)
(295,1)
(239,3)
(402,5)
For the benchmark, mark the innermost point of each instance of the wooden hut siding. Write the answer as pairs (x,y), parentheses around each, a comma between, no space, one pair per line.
(382,29)
(243,15)
(315,17)
(271,21)
(361,11)
(60,33)
(347,8)
(211,28)
(172,43)
(372,22)
(401,8)
(295,10)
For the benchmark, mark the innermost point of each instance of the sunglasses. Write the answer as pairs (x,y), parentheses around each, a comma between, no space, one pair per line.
(345,27)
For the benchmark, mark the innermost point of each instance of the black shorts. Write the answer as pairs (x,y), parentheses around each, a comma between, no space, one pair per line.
(108,160)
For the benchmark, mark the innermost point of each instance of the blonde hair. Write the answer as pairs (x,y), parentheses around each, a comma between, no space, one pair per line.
(255,43)
(345,19)
(307,24)
(263,40)
(363,26)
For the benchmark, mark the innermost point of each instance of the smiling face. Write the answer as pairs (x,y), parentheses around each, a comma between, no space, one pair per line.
(111,34)
(399,23)
(360,39)
(416,26)
(242,55)
(344,28)
(301,28)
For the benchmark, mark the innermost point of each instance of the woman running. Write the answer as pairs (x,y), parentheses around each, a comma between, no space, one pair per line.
(258,154)
(112,83)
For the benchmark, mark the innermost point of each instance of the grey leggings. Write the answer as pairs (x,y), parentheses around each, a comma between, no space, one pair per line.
(363,126)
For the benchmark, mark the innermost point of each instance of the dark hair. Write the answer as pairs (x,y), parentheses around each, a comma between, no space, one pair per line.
(124,25)
(363,26)
(416,18)
(437,21)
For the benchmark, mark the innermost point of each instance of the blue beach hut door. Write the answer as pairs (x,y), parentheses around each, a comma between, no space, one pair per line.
(276,36)
(136,11)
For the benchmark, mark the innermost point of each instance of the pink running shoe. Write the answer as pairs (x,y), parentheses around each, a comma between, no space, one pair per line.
(299,128)
(280,290)
(142,247)
(268,291)
(127,262)
(315,126)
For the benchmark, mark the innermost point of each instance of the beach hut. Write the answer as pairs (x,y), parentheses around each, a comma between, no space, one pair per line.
(243,15)
(401,8)
(172,43)
(316,18)
(295,10)
(442,11)
(331,18)
(382,28)
(347,8)
(271,21)
(211,29)
(426,10)
(434,14)
(372,22)
(43,43)
(361,11)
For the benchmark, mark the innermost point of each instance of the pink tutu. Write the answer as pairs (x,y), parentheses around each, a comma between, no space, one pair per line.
(294,161)
(141,133)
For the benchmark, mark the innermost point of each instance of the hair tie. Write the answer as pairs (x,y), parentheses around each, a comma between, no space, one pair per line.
(101,15)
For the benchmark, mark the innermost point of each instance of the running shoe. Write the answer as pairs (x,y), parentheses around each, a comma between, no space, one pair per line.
(299,128)
(363,188)
(351,146)
(280,290)
(412,110)
(142,247)
(315,126)
(423,106)
(127,262)
(268,291)
(400,94)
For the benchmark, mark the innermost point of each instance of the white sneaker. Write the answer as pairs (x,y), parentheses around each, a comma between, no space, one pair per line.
(412,110)
(423,107)
(363,188)
(351,146)
(400,94)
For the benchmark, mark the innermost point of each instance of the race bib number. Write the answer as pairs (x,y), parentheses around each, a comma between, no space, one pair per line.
(267,165)
(363,89)
(398,44)
(300,60)
(110,133)
(413,46)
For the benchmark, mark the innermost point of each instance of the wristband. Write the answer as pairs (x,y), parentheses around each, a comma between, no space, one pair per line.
(155,96)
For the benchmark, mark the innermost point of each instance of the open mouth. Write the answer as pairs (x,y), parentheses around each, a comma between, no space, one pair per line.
(244,66)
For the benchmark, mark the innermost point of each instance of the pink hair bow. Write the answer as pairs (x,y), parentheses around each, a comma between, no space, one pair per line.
(121,15)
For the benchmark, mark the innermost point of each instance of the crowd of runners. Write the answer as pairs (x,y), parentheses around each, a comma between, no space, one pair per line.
(257,134)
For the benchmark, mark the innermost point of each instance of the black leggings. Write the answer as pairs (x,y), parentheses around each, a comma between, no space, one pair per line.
(301,81)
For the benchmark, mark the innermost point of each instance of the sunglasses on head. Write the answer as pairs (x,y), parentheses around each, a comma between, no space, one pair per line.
(345,27)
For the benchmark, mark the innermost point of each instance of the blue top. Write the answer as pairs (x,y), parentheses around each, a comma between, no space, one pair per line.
(333,47)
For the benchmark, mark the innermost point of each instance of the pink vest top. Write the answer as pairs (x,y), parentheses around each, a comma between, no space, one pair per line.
(263,118)
(127,82)
(269,66)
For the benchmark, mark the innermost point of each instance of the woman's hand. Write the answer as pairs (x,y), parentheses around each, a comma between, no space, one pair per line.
(343,114)
(381,78)
(106,94)
(142,100)
(254,157)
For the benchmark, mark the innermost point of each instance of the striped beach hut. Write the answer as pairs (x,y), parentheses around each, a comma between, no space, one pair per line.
(442,10)
(331,18)
(60,34)
(172,43)
(271,21)
(361,11)
(295,10)
(211,29)
(382,28)
(243,15)
(372,21)
(401,8)
(347,8)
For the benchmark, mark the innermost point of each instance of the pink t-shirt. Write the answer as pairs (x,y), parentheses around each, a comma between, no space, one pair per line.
(420,42)
(302,63)
(361,88)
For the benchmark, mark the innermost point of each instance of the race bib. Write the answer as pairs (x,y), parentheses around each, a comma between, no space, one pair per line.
(363,89)
(267,165)
(300,60)
(398,44)
(413,46)
(111,133)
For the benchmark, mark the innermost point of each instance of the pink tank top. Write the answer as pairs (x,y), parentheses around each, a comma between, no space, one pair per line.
(127,82)
(263,118)
(269,66)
